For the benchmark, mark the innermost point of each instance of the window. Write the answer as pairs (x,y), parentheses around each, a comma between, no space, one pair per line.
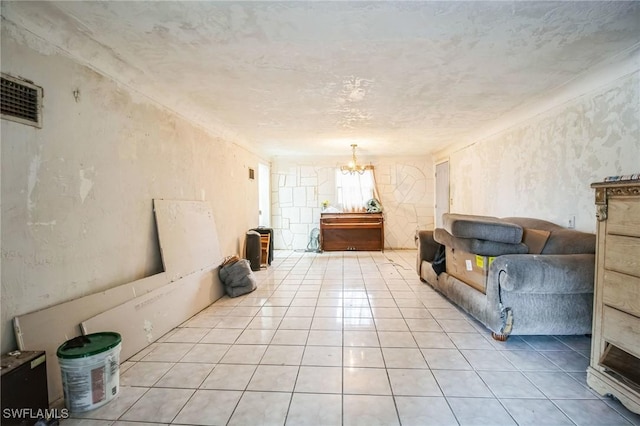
(354,190)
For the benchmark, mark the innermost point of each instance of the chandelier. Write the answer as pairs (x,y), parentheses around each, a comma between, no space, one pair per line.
(353,166)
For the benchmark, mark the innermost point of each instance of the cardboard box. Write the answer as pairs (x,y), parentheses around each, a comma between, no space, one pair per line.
(469,268)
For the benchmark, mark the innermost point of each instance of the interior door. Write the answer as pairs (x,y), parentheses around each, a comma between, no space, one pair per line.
(264,195)
(442,192)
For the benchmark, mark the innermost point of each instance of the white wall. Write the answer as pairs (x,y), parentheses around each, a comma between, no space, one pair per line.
(543,167)
(77,194)
(298,187)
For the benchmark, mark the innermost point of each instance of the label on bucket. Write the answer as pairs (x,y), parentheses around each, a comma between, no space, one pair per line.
(97,385)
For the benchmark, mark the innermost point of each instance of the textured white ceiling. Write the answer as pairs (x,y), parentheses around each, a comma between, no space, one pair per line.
(309,78)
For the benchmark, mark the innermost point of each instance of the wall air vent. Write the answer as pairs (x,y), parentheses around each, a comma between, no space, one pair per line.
(21,101)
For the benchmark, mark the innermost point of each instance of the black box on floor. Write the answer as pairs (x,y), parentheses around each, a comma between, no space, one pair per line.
(23,381)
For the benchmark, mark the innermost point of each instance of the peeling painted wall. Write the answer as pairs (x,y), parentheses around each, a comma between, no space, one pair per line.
(299,186)
(77,194)
(543,167)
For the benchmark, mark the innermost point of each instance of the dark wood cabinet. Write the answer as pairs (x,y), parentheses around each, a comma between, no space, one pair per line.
(24,387)
(352,231)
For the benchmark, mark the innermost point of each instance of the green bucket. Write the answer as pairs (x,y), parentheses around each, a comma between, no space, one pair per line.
(90,367)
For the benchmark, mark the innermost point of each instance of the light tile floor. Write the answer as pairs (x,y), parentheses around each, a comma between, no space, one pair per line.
(351,338)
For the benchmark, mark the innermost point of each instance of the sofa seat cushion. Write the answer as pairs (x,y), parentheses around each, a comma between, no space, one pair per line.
(478,246)
(486,228)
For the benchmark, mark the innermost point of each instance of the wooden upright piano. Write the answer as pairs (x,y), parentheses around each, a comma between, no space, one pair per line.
(352,231)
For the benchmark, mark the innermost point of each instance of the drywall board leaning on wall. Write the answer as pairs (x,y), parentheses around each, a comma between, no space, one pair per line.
(48,328)
(188,237)
(143,320)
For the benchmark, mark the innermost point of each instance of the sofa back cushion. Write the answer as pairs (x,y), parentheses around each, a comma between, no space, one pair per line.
(570,241)
(485,228)
(476,245)
(561,240)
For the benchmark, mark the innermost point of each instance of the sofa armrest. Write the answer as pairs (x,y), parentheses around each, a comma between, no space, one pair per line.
(427,248)
(544,274)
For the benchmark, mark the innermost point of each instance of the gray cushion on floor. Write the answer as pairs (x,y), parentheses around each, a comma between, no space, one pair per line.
(482,228)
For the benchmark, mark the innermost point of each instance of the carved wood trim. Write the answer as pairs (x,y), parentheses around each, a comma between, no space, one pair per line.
(606,190)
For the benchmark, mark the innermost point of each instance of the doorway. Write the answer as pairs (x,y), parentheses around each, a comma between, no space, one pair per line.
(264,195)
(442,192)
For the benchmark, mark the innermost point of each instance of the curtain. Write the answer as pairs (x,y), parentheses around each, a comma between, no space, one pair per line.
(354,190)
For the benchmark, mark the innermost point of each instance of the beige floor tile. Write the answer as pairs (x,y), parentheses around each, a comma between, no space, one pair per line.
(244,354)
(209,407)
(326,323)
(261,408)
(187,335)
(325,338)
(158,405)
(295,323)
(445,359)
(315,409)
(403,358)
(230,322)
(425,411)
(411,382)
(430,339)
(456,325)
(391,324)
(144,373)
(369,410)
(366,381)
(218,335)
(327,356)
(534,412)
(290,337)
(112,410)
(458,383)
(361,338)
(319,379)
(185,375)
(168,352)
(206,353)
(358,324)
(510,384)
(480,411)
(390,312)
(363,357)
(415,312)
(264,323)
(229,377)
(283,355)
(298,310)
(85,422)
(255,337)
(397,339)
(274,378)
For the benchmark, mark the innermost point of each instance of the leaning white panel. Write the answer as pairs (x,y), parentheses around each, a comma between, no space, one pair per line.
(48,328)
(188,236)
(143,320)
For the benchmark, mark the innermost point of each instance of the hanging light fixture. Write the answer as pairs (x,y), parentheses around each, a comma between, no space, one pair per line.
(353,166)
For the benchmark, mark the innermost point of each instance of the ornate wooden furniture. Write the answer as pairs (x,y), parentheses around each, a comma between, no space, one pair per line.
(352,231)
(264,249)
(615,347)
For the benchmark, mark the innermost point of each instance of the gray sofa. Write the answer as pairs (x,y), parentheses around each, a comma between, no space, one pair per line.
(515,275)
